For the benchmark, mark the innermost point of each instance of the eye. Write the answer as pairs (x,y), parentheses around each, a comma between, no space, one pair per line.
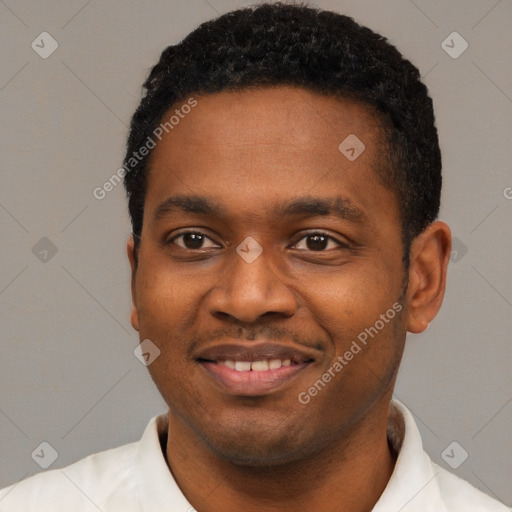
(319,241)
(192,240)
(195,240)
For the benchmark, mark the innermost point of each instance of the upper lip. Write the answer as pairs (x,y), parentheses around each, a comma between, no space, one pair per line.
(256,351)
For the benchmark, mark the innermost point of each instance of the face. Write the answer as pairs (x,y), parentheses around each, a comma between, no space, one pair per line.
(268,260)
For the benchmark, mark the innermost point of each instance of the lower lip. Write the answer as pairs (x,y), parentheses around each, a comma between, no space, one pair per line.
(252,383)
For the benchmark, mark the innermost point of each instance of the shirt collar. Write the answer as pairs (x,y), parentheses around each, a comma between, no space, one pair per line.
(412,486)
(158,489)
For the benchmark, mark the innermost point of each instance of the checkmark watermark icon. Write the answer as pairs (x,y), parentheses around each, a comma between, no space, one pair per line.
(249,249)
(44,45)
(45,455)
(146,352)
(454,45)
(454,455)
(351,147)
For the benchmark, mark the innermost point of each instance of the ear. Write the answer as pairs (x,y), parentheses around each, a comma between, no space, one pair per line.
(134,315)
(430,254)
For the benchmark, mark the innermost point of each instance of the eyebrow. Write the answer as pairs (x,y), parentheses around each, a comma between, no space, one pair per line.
(336,206)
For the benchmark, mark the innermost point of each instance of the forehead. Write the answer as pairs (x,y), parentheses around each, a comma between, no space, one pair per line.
(254,145)
(273,115)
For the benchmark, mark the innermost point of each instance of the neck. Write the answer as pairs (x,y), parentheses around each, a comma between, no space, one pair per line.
(350,476)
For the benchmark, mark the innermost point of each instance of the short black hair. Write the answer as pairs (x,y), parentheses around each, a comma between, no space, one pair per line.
(323,51)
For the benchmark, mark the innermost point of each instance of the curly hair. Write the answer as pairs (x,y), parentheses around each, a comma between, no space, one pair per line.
(322,51)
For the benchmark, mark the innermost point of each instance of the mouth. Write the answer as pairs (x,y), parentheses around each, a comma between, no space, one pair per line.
(256,369)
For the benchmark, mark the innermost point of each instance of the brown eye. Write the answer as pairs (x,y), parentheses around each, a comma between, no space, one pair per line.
(319,242)
(192,240)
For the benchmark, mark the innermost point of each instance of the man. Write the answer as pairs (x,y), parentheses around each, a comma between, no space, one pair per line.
(284,174)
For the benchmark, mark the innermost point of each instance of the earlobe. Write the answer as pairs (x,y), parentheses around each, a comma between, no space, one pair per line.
(430,253)
(130,250)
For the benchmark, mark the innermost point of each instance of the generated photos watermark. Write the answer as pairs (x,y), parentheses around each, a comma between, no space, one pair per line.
(137,156)
(305,396)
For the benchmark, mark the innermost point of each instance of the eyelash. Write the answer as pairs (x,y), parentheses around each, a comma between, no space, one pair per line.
(313,233)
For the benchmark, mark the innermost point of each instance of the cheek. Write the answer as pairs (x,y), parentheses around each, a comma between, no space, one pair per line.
(351,299)
(164,308)
(162,292)
(361,314)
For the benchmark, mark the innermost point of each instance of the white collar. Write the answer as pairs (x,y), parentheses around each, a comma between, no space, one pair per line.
(412,486)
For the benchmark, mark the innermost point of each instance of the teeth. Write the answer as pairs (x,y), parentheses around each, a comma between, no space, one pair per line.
(274,364)
(256,366)
(242,366)
(259,366)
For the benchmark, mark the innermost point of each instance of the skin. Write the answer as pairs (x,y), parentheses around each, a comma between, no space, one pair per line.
(248,151)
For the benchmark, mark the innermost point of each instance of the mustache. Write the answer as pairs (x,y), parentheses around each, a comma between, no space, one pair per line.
(267,332)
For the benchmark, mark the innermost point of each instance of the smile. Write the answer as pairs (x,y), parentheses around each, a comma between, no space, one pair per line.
(251,382)
(256,366)
(254,369)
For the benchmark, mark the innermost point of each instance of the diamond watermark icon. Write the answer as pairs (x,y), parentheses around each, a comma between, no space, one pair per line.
(45,455)
(454,455)
(459,250)
(44,45)
(44,250)
(454,45)
(249,249)
(351,147)
(146,352)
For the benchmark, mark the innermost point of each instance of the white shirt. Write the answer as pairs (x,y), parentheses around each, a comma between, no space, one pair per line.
(135,478)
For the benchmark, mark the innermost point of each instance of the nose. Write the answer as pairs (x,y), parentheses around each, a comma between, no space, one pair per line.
(248,291)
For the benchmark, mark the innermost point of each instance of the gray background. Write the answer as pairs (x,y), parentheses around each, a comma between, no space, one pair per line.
(68,375)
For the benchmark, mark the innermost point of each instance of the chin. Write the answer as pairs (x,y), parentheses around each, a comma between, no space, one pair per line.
(256,457)
(258,447)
